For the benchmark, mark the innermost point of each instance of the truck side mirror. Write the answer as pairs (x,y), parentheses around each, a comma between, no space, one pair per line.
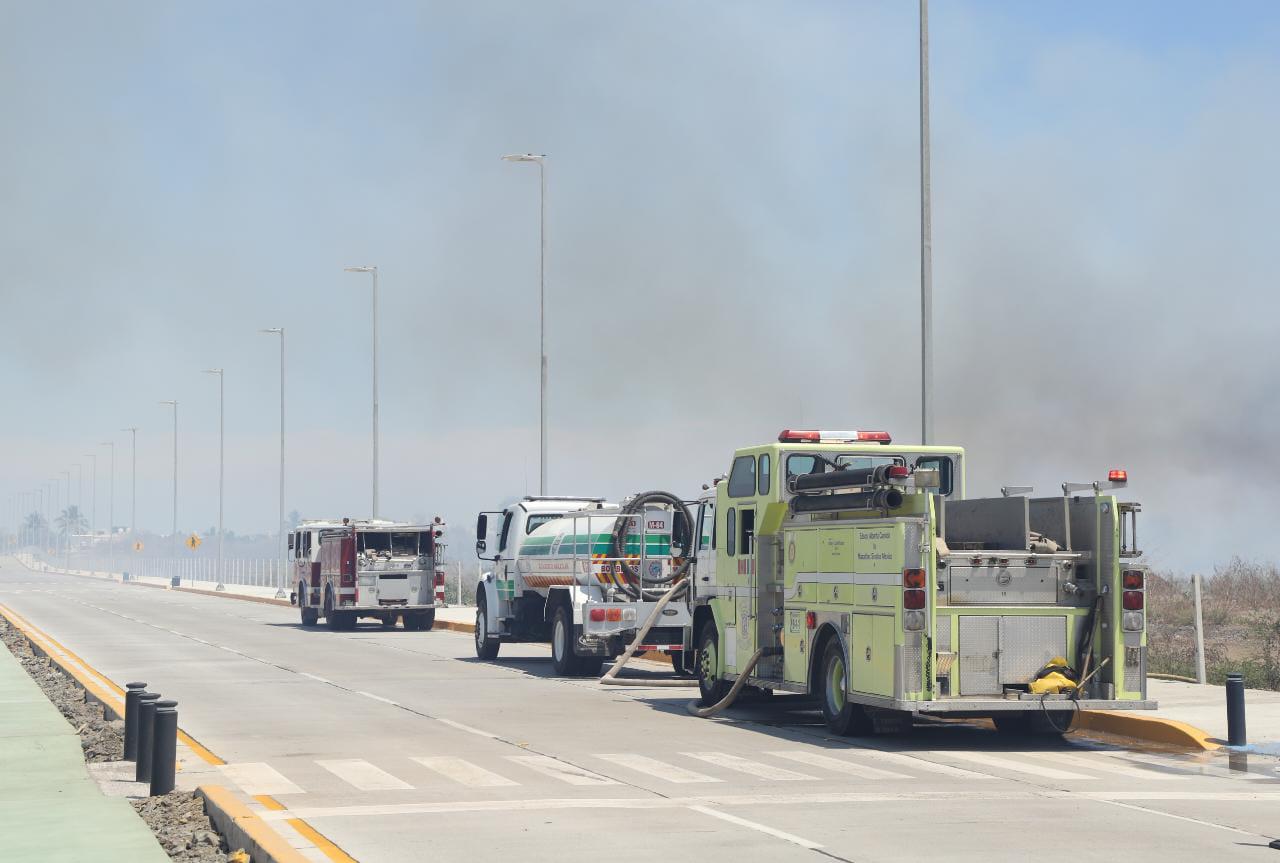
(481,547)
(482,525)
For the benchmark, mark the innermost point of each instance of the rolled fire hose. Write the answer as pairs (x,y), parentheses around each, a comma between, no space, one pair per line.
(611,678)
(618,542)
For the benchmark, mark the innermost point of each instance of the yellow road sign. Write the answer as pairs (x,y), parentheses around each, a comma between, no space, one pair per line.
(137,546)
(193,542)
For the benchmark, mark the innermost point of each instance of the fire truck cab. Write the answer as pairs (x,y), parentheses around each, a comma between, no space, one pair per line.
(346,570)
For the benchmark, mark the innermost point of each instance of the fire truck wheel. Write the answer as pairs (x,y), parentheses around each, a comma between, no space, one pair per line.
(562,656)
(330,616)
(679,666)
(842,716)
(486,647)
(427,620)
(712,687)
(309,616)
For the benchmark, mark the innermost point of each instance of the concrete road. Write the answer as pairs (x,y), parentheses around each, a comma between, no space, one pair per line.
(402,746)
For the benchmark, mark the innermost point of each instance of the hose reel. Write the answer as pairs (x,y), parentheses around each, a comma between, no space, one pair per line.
(635,581)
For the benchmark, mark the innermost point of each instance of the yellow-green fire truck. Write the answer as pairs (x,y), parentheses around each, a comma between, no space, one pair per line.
(840,565)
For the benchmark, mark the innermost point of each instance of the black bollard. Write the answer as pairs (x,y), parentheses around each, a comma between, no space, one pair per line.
(146,735)
(132,691)
(164,751)
(1235,710)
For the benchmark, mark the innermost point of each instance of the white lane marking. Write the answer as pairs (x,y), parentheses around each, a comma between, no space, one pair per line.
(315,677)
(745,765)
(378,698)
(1178,817)
(463,772)
(807,800)
(467,728)
(755,825)
(255,777)
(839,765)
(363,775)
(659,769)
(1014,765)
(548,766)
(911,761)
(1099,761)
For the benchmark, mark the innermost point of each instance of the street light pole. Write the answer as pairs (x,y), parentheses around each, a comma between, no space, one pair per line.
(374,271)
(541,161)
(926,240)
(111,513)
(173,535)
(66,525)
(93,525)
(221,463)
(133,499)
(280,518)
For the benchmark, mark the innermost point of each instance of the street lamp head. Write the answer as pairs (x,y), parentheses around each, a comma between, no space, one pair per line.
(524,157)
(273,330)
(213,371)
(368,269)
(172,402)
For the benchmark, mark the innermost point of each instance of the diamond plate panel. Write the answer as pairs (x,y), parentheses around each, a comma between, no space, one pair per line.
(1134,660)
(943,639)
(913,670)
(1028,643)
(979,638)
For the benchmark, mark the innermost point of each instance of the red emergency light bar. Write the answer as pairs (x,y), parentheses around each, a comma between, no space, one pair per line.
(815,436)
(1118,476)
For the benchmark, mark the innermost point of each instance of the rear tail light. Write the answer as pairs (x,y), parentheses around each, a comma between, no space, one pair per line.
(1133,600)
(897,471)
(1133,579)
(810,620)
(913,578)
(612,615)
(597,615)
(913,599)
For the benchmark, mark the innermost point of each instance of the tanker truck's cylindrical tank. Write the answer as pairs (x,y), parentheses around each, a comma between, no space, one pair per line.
(577,549)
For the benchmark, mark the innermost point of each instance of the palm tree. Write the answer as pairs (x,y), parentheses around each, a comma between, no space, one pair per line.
(71,521)
(35,527)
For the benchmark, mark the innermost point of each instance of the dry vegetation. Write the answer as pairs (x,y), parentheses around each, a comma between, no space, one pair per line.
(1241,607)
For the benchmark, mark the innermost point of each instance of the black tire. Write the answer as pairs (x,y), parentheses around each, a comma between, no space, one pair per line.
(309,615)
(427,620)
(843,717)
(711,687)
(389,622)
(410,622)
(562,656)
(486,647)
(679,664)
(330,616)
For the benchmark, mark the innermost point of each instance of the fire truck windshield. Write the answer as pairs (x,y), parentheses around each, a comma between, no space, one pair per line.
(401,543)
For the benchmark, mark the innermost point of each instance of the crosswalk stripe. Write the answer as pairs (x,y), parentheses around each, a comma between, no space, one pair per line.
(910,761)
(254,778)
(464,772)
(656,768)
(1099,761)
(548,766)
(837,764)
(364,776)
(1013,765)
(745,765)
(1191,767)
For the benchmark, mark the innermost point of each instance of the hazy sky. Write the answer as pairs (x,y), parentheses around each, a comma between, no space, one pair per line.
(733,246)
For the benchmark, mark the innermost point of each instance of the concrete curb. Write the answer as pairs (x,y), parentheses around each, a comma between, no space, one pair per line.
(246,830)
(1151,729)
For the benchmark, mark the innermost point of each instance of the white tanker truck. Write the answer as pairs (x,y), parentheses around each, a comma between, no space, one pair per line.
(583,575)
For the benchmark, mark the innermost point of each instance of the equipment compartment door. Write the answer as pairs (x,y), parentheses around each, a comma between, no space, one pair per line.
(871,645)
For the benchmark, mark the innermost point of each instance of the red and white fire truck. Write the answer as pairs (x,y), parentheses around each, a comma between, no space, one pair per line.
(350,569)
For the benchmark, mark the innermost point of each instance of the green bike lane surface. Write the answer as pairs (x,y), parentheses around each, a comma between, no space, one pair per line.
(50,808)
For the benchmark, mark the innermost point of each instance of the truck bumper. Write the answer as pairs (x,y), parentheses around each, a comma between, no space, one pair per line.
(972,707)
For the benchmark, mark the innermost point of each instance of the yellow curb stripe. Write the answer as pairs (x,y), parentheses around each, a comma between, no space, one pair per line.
(1150,728)
(242,818)
(48,643)
(332,851)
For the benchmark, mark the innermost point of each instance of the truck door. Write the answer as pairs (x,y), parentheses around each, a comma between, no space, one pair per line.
(705,562)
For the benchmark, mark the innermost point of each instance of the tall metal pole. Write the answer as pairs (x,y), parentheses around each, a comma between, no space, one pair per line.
(1199,621)
(111,513)
(374,270)
(221,464)
(173,533)
(280,516)
(926,240)
(133,494)
(66,525)
(541,161)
